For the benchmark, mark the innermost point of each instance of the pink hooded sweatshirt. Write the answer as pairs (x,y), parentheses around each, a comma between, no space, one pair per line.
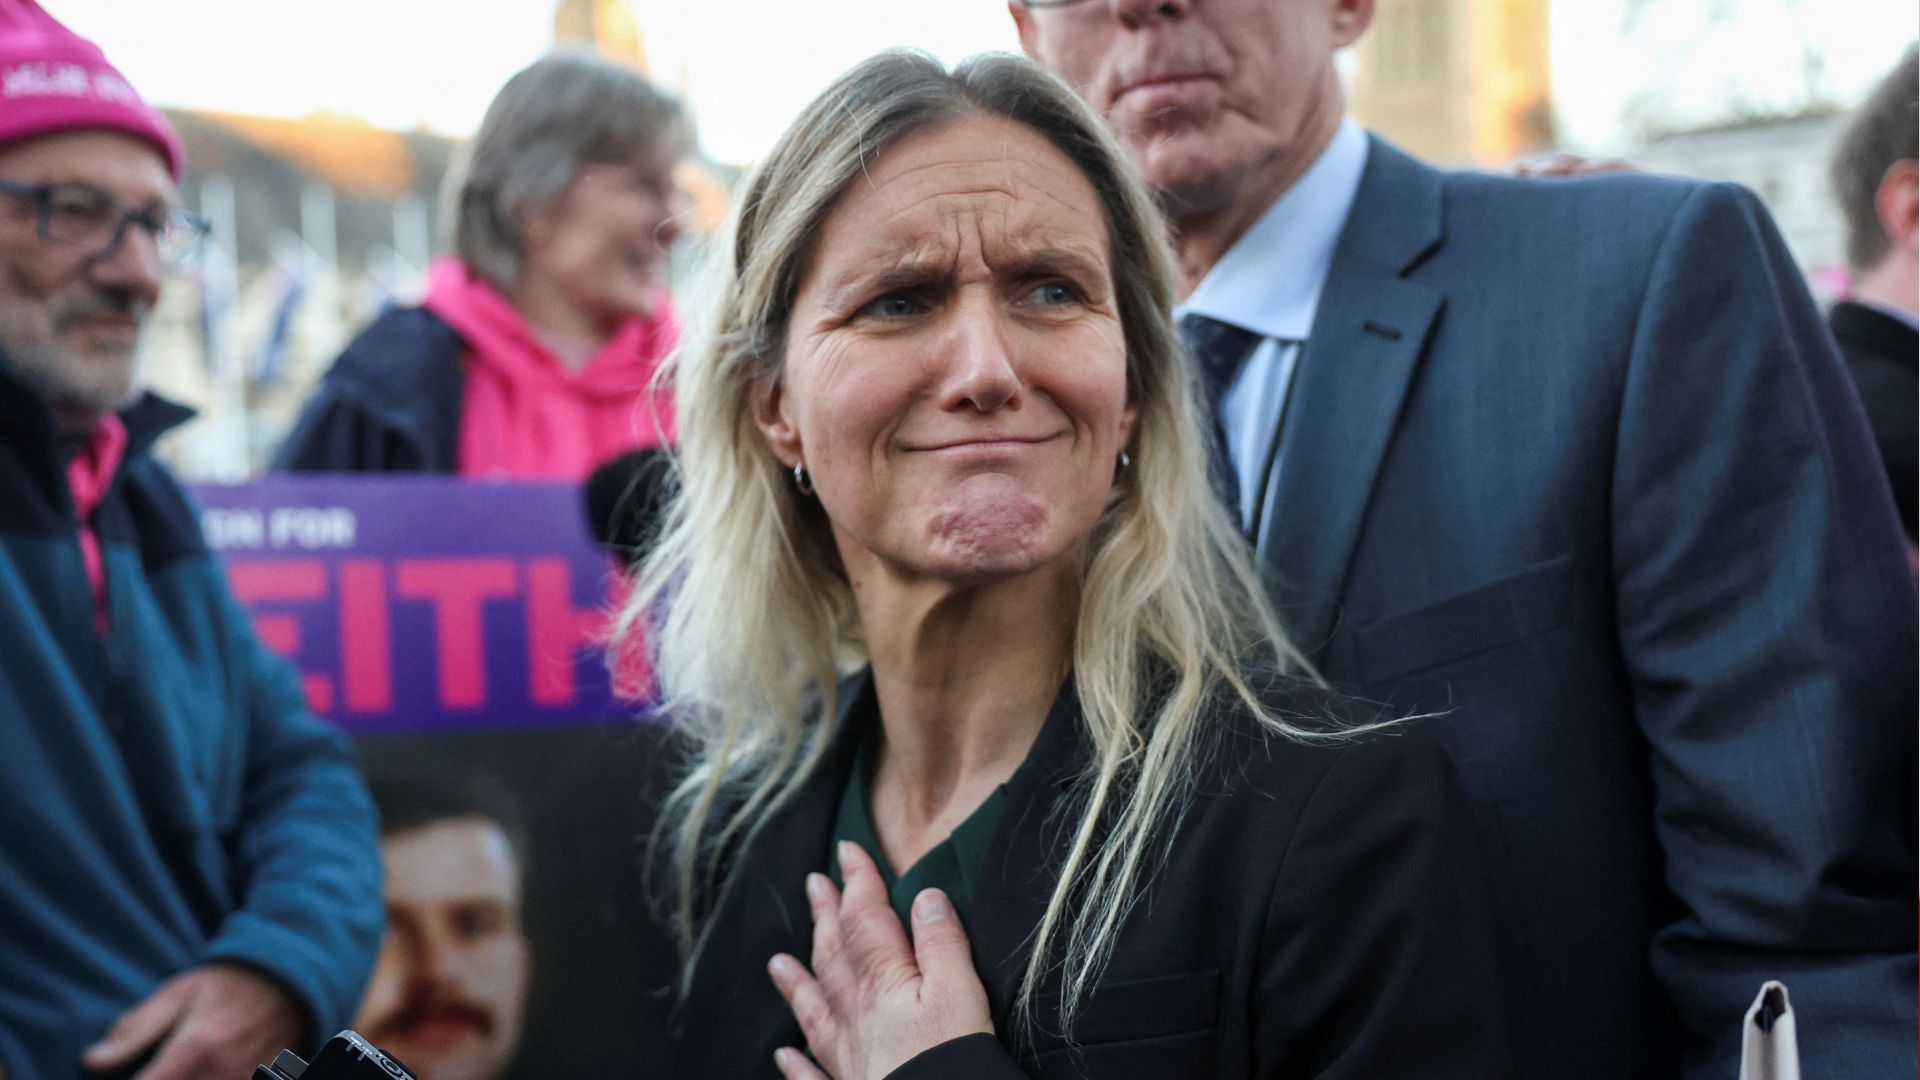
(526,415)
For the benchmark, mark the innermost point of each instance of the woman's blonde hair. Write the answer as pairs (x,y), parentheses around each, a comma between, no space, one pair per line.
(750,617)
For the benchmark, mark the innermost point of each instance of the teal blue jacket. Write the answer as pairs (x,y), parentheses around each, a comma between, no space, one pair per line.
(166,797)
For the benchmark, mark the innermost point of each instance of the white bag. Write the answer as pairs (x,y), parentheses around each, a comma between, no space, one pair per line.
(1768,1048)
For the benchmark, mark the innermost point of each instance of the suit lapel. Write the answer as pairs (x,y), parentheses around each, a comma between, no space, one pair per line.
(1369,336)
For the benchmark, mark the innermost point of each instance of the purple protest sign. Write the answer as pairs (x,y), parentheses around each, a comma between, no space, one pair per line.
(427,603)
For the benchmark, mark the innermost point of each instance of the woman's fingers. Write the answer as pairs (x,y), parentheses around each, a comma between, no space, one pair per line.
(945,959)
(876,944)
(821,895)
(829,951)
(805,998)
(874,998)
(865,886)
(793,1065)
(940,947)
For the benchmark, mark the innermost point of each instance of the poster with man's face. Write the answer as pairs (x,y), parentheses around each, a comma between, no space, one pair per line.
(458,632)
(476,980)
(449,991)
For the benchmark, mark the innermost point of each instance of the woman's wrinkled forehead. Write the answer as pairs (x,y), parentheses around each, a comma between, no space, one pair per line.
(981,190)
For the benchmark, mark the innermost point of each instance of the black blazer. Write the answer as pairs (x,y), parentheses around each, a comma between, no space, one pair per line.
(1883,355)
(1575,461)
(1321,915)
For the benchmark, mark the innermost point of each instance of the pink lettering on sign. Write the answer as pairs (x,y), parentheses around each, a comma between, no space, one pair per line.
(297,579)
(632,667)
(366,638)
(457,588)
(556,630)
(301,605)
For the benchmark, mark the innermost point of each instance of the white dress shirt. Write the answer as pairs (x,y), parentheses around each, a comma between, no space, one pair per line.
(1269,283)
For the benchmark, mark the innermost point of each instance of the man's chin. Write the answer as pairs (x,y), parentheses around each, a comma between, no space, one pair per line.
(79,407)
(78,391)
(1189,180)
(102,379)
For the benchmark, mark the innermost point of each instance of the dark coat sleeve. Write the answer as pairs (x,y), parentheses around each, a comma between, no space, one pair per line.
(1766,618)
(338,433)
(390,403)
(964,1058)
(306,859)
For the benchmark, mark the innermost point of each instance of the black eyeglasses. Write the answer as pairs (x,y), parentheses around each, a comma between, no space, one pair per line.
(94,221)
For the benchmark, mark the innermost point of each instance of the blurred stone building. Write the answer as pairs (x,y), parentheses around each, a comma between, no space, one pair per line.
(1457,82)
(1784,160)
(1468,83)
(316,224)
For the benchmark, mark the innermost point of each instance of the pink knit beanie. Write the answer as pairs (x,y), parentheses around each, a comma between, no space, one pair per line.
(53,80)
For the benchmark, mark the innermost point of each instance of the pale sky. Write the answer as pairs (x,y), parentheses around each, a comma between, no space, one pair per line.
(747,66)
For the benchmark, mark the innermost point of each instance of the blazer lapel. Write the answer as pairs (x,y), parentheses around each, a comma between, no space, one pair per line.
(1011,892)
(769,895)
(732,1003)
(801,832)
(1368,338)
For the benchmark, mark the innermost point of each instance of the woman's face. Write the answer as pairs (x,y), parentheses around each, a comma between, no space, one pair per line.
(955,370)
(603,242)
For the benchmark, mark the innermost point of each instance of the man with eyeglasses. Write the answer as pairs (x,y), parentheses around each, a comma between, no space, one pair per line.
(189,870)
(1573,465)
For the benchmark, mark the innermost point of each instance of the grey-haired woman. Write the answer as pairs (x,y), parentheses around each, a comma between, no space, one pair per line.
(535,340)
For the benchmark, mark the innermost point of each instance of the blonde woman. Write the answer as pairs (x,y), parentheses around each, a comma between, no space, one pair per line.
(1076,810)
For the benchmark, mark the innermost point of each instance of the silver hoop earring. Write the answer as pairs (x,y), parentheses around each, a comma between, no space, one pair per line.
(801,480)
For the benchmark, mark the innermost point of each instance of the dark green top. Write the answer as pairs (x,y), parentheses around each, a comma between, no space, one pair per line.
(950,866)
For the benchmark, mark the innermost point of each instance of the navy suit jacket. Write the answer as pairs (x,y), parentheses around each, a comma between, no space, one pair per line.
(1575,462)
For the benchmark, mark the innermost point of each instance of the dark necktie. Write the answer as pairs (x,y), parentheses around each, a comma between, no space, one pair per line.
(1218,350)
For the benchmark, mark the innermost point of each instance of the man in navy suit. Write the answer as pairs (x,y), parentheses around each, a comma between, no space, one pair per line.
(1574,463)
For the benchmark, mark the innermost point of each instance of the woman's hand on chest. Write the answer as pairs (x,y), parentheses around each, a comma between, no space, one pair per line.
(874,999)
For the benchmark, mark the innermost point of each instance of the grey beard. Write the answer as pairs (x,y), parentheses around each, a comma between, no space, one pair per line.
(80,387)
(46,367)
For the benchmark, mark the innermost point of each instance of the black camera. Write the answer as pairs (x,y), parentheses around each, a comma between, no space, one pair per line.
(346,1056)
